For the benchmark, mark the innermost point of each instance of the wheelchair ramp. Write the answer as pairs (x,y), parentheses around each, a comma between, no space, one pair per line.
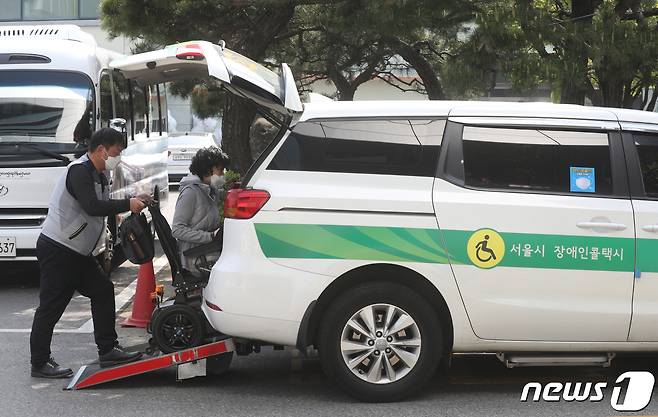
(93,374)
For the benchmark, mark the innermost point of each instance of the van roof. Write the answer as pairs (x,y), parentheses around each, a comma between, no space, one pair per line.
(441,108)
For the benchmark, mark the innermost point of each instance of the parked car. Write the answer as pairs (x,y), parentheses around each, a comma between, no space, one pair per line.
(391,235)
(182,147)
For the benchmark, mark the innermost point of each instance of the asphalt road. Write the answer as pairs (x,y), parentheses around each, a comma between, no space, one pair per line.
(272,383)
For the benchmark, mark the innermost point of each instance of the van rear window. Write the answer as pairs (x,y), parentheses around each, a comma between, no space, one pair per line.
(385,147)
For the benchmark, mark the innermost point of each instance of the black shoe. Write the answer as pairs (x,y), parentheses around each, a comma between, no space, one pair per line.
(51,369)
(118,356)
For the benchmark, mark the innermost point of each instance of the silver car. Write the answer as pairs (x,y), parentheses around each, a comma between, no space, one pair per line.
(182,147)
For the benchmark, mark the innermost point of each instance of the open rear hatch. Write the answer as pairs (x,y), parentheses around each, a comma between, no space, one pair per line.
(200,59)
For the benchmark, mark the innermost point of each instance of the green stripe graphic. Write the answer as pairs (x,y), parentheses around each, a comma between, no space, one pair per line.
(522,250)
(350,242)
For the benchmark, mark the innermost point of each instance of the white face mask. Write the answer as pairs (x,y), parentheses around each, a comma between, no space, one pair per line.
(217,181)
(112,162)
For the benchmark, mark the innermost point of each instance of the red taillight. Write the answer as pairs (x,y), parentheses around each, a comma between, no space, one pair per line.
(213,306)
(190,52)
(244,204)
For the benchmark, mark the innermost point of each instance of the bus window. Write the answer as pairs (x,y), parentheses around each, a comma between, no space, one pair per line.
(45,106)
(158,109)
(105,101)
(121,94)
(140,110)
(163,106)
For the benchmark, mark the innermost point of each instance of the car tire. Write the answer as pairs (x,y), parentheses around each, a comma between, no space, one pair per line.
(414,332)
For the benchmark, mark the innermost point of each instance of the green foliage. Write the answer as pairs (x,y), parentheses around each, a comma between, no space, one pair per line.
(231,177)
(604,50)
(207,101)
(353,42)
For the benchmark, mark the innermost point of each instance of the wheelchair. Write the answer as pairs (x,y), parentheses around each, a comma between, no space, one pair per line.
(178,322)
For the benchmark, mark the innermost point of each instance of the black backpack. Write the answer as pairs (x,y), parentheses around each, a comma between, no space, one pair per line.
(137,239)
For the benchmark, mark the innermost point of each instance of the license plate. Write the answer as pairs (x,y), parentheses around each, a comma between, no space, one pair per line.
(7,246)
(182,157)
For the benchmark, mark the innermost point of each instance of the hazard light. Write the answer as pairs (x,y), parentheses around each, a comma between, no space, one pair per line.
(190,52)
(244,204)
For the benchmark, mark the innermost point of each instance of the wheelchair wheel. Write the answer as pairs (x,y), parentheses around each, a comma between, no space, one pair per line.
(177,327)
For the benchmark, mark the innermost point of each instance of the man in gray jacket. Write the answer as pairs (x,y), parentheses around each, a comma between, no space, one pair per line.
(71,232)
(196,219)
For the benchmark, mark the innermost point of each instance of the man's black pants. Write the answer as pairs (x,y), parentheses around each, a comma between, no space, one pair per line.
(62,273)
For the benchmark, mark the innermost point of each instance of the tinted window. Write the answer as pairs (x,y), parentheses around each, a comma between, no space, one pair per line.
(537,160)
(647,150)
(46,106)
(362,146)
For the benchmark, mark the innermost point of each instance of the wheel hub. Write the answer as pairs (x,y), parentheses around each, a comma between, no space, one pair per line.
(381,343)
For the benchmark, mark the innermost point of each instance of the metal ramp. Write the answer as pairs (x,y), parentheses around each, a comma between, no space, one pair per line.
(185,361)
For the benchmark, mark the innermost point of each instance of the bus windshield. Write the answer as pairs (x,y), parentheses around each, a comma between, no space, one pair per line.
(44,106)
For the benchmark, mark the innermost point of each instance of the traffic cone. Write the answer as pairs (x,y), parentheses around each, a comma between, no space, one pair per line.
(142,304)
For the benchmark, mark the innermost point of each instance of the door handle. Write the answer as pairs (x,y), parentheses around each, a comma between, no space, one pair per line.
(653,228)
(602,225)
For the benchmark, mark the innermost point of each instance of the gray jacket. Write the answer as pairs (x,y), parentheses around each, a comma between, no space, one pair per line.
(196,216)
(68,224)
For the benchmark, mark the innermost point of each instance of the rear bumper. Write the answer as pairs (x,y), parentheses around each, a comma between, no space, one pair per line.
(277,332)
(175,178)
(177,170)
(259,299)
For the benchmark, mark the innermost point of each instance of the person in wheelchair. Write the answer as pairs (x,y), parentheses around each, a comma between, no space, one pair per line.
(197,222)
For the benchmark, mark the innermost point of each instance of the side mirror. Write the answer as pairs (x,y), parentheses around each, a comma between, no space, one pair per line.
(119,125)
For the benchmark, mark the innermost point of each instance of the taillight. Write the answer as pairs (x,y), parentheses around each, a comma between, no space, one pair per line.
(244,204)
(190,52)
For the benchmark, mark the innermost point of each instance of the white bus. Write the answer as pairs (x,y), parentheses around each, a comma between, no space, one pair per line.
(56,88)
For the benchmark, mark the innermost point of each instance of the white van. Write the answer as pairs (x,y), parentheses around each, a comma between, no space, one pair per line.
(56,88)
(390,235)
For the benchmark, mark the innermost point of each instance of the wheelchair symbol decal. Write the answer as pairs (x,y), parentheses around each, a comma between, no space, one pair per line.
(485,248)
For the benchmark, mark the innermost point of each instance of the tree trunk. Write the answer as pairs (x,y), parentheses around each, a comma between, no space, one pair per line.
(422,66)
(236,122)
(574,77)
(346,93)
(239,113)
(346,89)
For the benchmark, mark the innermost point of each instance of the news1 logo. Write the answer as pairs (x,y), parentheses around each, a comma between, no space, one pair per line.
(631,391)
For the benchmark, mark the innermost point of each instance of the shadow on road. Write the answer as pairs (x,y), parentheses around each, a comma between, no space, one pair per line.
(19,275)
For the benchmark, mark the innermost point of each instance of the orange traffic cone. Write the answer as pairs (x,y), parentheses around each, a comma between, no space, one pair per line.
(142,304)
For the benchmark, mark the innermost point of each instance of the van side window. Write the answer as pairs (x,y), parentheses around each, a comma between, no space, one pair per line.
(552,161)
(390,147)
(647,150)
